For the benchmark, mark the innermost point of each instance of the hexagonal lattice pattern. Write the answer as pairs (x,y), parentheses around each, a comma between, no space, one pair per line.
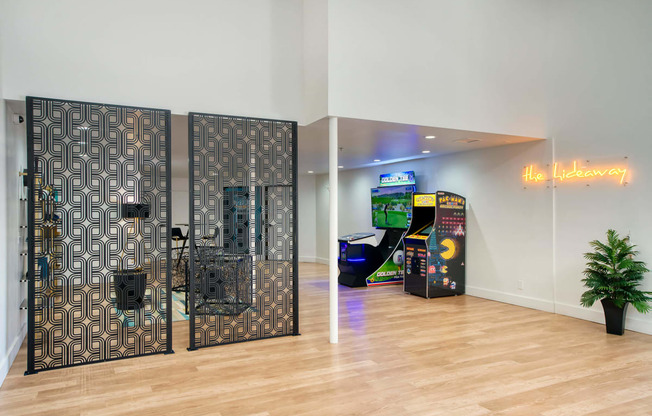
(98,281)
(243,175)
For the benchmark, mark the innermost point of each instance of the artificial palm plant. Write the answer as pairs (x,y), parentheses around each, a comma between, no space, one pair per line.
(612,276)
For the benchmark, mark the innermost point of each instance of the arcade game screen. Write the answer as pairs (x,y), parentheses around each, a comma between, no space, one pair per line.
(391,207)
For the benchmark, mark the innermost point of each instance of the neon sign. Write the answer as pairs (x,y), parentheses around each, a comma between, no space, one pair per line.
(561,174)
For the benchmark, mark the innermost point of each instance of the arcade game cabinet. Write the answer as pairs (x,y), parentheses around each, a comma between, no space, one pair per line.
(435,246)
(361,261)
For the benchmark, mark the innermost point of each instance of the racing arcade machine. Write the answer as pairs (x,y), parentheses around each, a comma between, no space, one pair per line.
(362,262)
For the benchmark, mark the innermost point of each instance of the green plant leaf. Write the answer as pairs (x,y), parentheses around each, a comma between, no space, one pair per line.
(613,273)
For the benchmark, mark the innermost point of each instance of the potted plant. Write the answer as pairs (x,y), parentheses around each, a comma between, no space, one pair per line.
(612,276)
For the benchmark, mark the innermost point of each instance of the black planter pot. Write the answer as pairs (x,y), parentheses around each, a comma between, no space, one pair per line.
(614,317)
(129,287)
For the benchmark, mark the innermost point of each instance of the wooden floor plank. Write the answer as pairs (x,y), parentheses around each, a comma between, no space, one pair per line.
(398,355)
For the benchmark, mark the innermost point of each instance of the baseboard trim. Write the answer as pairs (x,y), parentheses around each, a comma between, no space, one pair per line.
(595,314)
(12,352)
(525,301)
(321,260)
(307,259)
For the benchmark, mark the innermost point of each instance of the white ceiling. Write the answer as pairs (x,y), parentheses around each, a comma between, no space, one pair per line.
(362,141)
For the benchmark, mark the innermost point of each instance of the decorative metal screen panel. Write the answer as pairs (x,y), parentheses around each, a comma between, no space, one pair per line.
(242,210)
(276,220)
(235,231)
(99,221)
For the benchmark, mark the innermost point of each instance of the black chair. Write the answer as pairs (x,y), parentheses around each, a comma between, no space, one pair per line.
(177,236)
(215,237)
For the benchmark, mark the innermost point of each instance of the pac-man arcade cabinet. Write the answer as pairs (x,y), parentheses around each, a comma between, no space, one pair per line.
(435,246)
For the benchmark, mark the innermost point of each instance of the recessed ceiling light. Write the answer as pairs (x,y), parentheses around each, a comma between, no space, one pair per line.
(376,160)
(310,171)
(430,137)
(340,167)
(425,151)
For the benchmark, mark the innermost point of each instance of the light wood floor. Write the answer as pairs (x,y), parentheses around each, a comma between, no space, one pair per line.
(398,355)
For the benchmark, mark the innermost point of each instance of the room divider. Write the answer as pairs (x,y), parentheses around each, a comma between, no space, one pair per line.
(243,229)
(98,232)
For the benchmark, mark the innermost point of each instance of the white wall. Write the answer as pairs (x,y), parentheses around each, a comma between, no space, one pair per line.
(5,363)
(466,64)
(179,162)
(322,218)
(12,238)
(599,106)
(180,202)
(216,56)
(315,60)
(307,199)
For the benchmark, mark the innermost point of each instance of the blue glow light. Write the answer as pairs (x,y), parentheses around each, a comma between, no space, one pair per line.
(357,259)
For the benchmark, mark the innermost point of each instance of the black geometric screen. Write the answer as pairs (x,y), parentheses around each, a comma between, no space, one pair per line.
(243,227)
(99,241)
(235,231)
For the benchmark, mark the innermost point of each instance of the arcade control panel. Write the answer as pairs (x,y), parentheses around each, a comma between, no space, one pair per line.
(416,261)
(358,258)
